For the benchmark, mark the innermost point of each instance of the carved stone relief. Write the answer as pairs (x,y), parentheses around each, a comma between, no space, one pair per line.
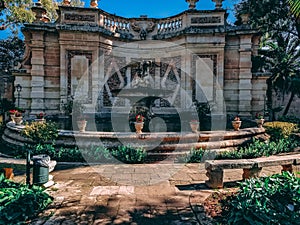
(79,69)
(204,68)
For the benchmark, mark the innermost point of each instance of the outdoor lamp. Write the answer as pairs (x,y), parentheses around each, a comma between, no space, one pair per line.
(19,89)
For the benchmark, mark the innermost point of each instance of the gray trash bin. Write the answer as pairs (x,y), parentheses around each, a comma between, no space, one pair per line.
(40,169)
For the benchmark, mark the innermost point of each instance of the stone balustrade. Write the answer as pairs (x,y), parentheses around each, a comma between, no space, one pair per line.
(168,25)
(114,23)
(145,27)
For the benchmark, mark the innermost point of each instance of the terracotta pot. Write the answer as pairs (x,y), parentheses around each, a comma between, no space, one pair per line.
(138,127)
(66,2)
(194,126)
(12,117)
(260,122)
(8,173)
(236,125)
(81,125)
(94,3)
(18,120)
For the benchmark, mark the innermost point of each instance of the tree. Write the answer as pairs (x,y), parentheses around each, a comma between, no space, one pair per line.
(282,59)
(16,12)
(295,7)
(271,16)
(279,22)
(11,52)
(77,3)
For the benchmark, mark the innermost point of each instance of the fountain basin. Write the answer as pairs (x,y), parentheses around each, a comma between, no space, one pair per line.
(158,143)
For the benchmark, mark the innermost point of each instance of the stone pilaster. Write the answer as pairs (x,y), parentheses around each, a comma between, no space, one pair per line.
(245,75)
(37,72)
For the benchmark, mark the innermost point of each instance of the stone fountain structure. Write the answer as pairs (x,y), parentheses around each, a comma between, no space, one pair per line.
(111,63)
(205,57)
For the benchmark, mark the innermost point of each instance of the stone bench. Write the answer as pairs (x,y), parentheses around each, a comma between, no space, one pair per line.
(251,167)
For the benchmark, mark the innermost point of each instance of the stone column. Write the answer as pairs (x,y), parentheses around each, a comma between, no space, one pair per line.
(37,72)
(245,75)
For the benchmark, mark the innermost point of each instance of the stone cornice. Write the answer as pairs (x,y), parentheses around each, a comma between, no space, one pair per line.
(229,30)
(189,22)
(240,30)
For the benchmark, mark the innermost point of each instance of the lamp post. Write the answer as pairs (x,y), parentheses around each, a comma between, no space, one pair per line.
(2,5)
(19,89)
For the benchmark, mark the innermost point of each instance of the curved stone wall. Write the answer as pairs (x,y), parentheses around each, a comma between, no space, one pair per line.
(161,143)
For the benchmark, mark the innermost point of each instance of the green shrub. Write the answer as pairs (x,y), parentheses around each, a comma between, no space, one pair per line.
(128,154)
(194,156)
(197,156)
(40,132)
(59,154)
(258,149)
(19,203)
(266,201)
(290,119)
(279,129)
(90,154)
(97,154)
(69,155)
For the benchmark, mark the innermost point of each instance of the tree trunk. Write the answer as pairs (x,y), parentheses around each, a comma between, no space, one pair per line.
(289,104)
(298,26)
(269,102)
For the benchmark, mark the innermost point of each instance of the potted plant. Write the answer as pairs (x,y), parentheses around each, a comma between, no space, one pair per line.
(259,118)
(139,123)
(18,117)
(236,123)
(78,115)
(194,124)
(12,113)
(40,117)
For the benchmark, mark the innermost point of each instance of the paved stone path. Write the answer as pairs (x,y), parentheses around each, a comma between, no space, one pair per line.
(166,194)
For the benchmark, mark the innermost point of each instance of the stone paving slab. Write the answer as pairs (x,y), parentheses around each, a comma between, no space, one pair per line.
(143,195)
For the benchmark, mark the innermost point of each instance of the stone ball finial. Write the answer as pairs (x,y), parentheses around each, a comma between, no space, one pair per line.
(94,4)
(38,4)
(192,3)
(66,2)
(40,13)
(219,3)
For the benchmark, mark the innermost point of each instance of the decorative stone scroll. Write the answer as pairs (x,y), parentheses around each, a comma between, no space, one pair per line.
(79,17)
(206,20)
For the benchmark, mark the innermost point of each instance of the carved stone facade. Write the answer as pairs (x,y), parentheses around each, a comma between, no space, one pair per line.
(89,53)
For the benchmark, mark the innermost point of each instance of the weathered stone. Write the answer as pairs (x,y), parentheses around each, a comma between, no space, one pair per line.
(251,173)
(287,168)
(215,178)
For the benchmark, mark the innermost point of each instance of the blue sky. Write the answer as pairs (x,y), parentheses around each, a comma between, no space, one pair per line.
(152,8)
